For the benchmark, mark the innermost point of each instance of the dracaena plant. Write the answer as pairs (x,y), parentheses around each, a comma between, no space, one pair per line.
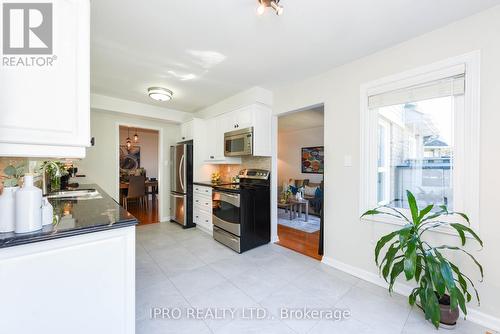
(408,253)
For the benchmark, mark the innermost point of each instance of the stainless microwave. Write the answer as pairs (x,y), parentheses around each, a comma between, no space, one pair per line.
(238,143)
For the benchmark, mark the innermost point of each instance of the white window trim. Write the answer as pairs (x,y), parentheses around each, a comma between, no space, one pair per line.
(387,160)
(466,171)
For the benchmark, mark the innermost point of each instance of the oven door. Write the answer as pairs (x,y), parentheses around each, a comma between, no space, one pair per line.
(226,211)
(238,145)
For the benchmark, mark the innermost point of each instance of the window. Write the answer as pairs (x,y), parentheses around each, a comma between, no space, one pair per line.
(415,151)
(420,132)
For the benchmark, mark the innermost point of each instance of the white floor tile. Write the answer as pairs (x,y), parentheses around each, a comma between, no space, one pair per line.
(255,327)
(196,281)
(188,269)
(258,283)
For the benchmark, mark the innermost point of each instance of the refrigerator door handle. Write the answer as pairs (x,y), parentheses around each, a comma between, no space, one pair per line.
(177,196)
(181,168)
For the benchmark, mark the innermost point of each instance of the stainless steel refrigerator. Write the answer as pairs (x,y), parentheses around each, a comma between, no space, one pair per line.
(181,183)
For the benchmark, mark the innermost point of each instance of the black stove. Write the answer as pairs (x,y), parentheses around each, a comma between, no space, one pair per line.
(242,211)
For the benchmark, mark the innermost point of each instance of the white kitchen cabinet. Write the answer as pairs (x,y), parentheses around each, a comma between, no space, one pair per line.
(87,282)
(214,141)
(187,131)
(239,119)
(258,117)
(202,209)
(45,107)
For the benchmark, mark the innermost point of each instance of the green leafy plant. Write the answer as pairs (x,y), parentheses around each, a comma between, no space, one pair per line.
(407,252)
(12,175)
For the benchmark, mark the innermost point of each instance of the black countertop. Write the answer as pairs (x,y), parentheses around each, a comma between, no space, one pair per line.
(78,216)
(212,184)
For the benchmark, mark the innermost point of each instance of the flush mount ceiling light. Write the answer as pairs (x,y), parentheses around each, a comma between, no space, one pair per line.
(274,4)
(160,94)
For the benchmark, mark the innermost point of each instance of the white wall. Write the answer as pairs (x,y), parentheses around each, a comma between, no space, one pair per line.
(100,164)
(290,144)
(148,142)
(339,89)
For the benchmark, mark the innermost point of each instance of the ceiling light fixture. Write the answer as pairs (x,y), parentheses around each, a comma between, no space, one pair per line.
(160,94)
(274,4)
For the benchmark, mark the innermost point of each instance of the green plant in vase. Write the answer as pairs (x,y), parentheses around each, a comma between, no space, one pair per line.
(442,288)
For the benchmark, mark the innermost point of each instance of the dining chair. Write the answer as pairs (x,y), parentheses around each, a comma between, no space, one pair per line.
(136,191)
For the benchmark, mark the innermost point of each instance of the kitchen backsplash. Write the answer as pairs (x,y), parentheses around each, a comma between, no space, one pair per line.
(229,171)
(4,162)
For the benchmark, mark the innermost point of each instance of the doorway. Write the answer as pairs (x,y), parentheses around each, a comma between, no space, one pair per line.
(139,172)
(300,166)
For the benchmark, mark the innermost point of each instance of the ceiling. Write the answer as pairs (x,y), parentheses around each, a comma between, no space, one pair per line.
(306,119)
(206,51)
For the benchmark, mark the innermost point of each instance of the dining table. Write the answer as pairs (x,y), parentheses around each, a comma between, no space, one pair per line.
(148,183)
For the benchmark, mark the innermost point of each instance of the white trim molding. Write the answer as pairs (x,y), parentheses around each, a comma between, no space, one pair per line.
(466,137)
(474,315)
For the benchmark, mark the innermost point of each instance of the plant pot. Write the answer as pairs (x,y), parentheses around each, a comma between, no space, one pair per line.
(8,209)
(449,317)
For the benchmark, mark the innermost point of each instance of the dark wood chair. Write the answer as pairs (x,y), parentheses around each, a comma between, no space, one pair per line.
(136,191)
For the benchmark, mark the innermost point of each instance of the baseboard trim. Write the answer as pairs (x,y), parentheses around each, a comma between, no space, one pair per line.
(164,219)
(474,315)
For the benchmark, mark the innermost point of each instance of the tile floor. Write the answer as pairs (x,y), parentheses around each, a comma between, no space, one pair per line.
(186,270)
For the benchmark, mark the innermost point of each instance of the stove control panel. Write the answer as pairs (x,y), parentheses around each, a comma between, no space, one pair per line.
(259,174)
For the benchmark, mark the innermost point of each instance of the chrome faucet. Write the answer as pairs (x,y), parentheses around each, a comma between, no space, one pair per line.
(45,189)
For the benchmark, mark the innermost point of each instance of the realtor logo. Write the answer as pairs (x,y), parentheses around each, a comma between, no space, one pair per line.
(27,28)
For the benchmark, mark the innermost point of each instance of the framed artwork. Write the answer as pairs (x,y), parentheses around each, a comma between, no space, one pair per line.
(313,160)
(130,159)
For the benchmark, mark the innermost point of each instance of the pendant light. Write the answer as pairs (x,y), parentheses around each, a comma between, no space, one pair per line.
(136,136)
(128,141)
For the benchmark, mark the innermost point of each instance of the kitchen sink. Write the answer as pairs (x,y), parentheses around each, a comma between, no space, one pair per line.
(79,193)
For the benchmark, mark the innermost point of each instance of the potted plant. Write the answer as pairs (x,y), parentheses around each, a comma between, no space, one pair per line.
(442,288)
(7,198)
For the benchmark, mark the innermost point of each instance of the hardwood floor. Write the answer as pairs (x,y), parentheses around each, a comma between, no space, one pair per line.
(143,215)
(299,241)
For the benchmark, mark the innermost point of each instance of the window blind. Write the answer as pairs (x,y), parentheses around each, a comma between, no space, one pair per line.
(450,86)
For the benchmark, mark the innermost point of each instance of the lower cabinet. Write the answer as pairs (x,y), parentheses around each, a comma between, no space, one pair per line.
(79,285)
(202,208)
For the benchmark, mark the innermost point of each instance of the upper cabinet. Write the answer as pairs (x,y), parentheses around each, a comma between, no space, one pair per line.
(44,80)
(256,116)
(187,131)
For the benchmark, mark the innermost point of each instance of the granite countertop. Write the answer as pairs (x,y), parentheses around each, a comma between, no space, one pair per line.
(205,183)
(210,183)
(78,216)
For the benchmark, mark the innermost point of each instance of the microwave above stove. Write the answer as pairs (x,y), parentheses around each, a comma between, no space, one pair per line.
(238,143)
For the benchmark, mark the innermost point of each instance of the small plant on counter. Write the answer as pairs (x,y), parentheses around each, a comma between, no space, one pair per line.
(12,175)
(442,288)
(215,177)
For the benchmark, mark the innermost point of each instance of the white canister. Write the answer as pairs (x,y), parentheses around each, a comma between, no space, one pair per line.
(28,207)
(8,209)
(47,212)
